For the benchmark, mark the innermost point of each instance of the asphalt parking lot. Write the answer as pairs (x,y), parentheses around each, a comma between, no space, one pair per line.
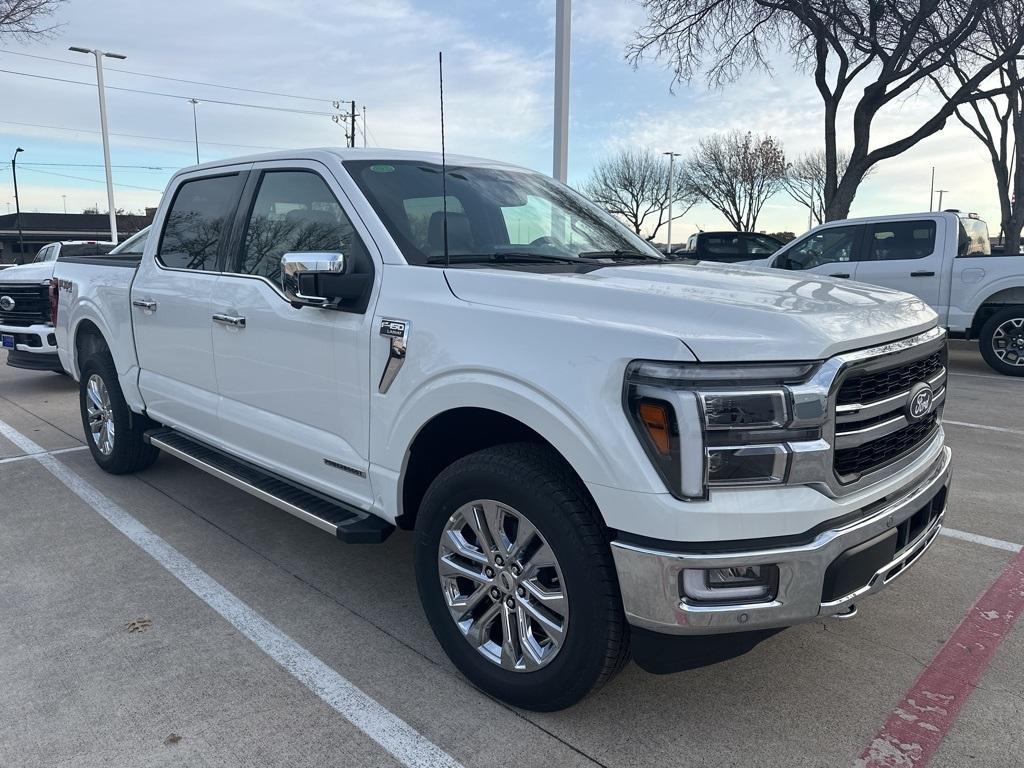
(111,654)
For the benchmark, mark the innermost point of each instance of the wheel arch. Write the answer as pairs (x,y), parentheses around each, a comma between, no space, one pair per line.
(1004,298)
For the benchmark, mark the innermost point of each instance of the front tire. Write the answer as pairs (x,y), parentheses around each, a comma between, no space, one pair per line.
(113,433)
(1002,341)
(516,578)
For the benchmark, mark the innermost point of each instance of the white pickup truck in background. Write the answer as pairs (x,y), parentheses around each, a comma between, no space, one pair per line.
(943,257)
(27,301)
(600,449)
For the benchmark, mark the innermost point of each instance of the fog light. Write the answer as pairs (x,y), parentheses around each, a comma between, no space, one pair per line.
(741,582)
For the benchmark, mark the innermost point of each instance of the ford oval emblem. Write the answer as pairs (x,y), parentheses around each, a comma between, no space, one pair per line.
(919,401)
(6,303)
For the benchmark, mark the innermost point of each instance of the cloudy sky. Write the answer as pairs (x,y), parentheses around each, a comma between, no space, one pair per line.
(383,54)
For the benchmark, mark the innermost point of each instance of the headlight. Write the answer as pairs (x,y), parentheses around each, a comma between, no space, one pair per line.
(705,425)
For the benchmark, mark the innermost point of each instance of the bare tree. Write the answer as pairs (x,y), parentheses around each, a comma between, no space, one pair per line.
(25,20)
(635,185)
(997,120)
(893,46)
(805,180)
(736,173)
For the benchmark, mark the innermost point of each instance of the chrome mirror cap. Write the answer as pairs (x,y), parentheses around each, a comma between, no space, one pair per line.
(294,264)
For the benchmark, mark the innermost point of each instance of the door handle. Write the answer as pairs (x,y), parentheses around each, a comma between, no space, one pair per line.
(923,273)
(235,322)
(149,306)
(840,274)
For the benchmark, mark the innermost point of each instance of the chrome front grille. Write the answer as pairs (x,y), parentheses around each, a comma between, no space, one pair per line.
(874,425)
(29,304)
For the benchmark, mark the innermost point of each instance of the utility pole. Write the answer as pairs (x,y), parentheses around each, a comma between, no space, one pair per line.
(364,126)
(941,193)
(563,33)
(671,194)
(64,198)
(17,203)
(931,200)
(103,129)
(352,143)
(195,126)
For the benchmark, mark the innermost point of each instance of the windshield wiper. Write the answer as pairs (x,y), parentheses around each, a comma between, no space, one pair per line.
(500,257)
(618,254)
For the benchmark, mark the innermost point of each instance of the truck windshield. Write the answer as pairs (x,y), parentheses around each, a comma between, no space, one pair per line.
(494,214)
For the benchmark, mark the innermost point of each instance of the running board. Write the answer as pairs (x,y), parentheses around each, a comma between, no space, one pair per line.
(349,524)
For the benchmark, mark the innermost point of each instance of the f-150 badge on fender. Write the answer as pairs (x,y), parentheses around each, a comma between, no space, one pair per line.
(398,332)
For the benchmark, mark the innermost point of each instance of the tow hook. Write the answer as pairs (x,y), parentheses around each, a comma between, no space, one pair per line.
(849,613)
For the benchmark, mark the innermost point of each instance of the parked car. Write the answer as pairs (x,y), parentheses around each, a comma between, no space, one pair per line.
(599,449)
(729,247)
(26,303)
(944,258)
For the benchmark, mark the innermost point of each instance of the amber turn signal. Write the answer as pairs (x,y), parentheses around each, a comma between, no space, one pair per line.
(655,421)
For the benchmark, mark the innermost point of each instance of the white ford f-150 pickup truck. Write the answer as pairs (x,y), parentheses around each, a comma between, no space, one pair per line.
(944,258)
(600,450)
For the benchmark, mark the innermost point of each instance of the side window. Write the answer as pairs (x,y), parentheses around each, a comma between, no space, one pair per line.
(43,254)
(760,246)
(723,245)
(197,222)
(296,212)
(829,246)
(902,240)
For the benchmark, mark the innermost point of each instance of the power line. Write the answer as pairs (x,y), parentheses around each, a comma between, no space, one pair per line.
(173,79)
(136,136)
(94,181)
(171,95)
(97,165)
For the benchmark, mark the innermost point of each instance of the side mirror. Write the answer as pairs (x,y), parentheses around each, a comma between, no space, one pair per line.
(319,279)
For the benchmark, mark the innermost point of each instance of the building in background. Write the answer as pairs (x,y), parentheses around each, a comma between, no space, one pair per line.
(38,229)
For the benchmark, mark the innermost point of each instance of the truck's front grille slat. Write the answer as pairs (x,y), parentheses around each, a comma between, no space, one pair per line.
(31,304)
(873,428)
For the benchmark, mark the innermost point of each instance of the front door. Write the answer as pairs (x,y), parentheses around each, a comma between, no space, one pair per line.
(831,251)
(906,256)
(171,303)
(293,381)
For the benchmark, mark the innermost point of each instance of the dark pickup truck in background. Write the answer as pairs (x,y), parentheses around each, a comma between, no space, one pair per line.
(729,247)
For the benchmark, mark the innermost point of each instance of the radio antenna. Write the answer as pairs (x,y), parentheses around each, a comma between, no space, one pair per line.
(444,168)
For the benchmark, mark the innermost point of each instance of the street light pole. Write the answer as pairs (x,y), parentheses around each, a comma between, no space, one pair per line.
(195,126)
(941,193)
(563,23)
(103,128)
(17,203)
(671,194)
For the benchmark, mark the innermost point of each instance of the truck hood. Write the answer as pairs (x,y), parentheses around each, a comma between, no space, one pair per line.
(721,312)
(27,273)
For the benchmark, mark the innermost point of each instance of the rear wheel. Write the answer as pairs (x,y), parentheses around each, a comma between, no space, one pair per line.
(1002,341)
(517,580)
(112,432)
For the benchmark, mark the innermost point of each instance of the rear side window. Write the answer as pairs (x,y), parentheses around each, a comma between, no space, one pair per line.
(902,240)
(974,239)
(723,245)
(198,221)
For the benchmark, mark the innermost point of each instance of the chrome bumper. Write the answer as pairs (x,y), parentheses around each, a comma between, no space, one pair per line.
(650,578)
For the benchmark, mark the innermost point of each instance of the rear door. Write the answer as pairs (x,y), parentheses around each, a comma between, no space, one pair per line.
(907,255)
(832,251)
(171,301)
(294,381)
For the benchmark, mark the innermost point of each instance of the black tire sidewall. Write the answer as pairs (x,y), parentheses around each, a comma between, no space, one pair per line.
(122,455)
(579,663)
(985,341)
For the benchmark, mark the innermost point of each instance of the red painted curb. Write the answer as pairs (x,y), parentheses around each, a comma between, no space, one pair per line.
(916,728)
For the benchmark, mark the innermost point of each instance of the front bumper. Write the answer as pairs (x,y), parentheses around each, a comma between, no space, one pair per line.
(650,578)
(35,347)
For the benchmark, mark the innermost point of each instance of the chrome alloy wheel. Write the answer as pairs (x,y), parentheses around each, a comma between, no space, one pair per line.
(100,413)
(1008,341)
(503,585)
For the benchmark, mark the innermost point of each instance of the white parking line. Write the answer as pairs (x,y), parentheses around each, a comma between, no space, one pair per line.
(44,453)
(401,740)
(972,425)
(977,538)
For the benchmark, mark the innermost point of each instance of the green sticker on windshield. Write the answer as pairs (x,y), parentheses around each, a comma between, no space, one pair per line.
(382,168)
